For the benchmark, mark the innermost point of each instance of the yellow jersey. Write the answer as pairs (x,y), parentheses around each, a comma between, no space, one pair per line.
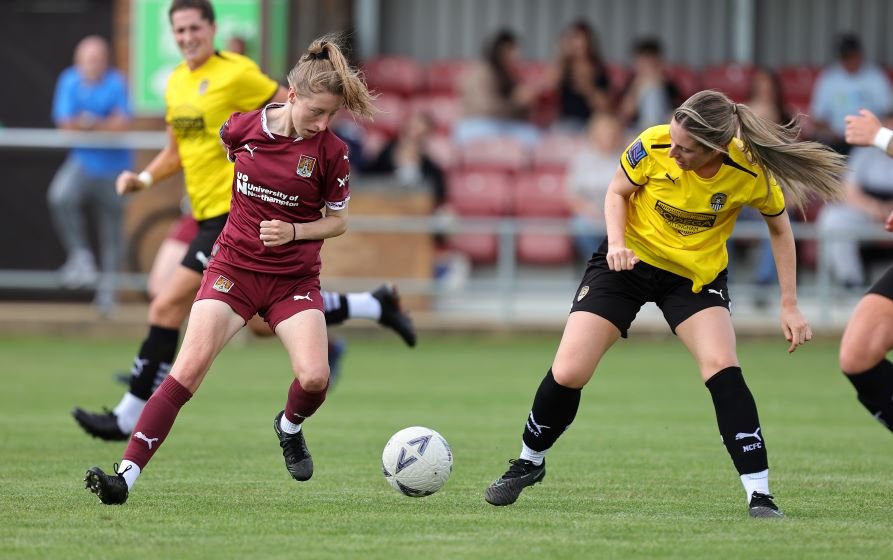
(678,221)
(198,103)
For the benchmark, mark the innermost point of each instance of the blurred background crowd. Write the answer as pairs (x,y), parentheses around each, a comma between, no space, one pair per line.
(501,124)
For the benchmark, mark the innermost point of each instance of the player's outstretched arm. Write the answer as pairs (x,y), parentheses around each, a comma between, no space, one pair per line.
(865,129)
(162,166)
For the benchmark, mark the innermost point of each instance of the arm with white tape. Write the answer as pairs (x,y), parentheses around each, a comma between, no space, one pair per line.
(162,166)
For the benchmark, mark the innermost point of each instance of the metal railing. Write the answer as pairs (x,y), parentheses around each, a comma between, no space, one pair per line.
(506,277)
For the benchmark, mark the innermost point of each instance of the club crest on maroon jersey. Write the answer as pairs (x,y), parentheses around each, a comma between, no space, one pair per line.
(223,284)
(306,165)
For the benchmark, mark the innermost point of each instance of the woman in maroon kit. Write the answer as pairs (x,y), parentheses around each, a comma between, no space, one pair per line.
(290,192)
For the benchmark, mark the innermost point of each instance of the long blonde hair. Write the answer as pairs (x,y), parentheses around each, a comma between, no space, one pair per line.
(804,170)
(323,68)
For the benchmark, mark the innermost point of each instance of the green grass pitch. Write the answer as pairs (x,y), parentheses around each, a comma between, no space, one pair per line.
(640,474)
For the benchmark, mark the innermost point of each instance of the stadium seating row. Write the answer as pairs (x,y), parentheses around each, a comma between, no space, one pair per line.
(408,77)
(407,87)
(537,193)
(500,177)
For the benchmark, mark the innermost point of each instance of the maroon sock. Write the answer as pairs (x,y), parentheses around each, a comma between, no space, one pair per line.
(302,404)
(156,421)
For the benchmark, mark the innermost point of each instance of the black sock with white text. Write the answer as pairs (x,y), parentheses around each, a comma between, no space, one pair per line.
(153,363)
(554,409)
(739,424)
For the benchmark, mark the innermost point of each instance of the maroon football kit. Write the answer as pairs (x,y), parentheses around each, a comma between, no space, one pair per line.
(275,178)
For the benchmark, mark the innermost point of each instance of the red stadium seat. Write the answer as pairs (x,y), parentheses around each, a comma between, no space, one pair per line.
(443,151)
(545,249)
(555,151)
(443,76)
(392,113)
(618,75)
(732,79)
(685,78)
(542,195)
(534,72)
(495,154)
(393,74)
(797,83)
(479,193)
(445,110)
(374,142)
(480,248)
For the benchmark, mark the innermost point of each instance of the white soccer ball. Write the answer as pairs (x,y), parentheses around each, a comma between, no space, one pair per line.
(417,461)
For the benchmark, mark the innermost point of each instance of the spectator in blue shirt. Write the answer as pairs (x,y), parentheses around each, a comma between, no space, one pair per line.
(845,87)
(90,96)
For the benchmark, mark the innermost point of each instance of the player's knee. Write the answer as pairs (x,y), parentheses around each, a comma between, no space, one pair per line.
(168,312)
(711,367)
(313,378)
(574,377)
(856,358)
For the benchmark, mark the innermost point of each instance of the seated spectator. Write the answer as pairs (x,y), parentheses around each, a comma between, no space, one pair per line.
(588,177)
(580,77)
(766,98)
(843,88)
(649,96)
(353,134)
(869,200)
(406,157)
(494,100)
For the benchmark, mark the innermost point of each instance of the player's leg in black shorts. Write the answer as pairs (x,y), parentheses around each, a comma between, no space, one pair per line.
(884,285)
(614,295)
(678,302)
(202,245)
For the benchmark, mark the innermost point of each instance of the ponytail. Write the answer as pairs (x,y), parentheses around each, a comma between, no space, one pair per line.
(804,170)
(324,68)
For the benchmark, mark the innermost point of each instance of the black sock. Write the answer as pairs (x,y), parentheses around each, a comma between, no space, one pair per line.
(334,308)
(153,363)
(554,408)
(874,389)
(739,424)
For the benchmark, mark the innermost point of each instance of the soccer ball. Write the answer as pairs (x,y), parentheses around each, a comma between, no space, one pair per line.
(417,461)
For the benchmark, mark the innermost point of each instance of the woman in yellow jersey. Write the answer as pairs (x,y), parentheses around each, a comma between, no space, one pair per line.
(869,334)
(202,92)
(670,208)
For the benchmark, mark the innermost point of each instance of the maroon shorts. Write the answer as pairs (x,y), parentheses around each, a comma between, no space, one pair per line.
(273,297)
(183,230)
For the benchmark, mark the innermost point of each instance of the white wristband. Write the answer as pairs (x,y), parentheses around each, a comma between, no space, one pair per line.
(882,138)
(146,179)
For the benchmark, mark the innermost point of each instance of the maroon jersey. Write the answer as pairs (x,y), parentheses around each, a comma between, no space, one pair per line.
(279,178)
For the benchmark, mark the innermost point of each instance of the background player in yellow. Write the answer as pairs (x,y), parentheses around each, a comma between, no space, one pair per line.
(669,210)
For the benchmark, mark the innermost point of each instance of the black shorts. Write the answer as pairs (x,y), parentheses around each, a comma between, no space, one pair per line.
(884,285)
(618,295)
(199,252)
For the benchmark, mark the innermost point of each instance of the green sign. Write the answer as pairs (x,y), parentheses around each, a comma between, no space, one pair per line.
(154,54)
